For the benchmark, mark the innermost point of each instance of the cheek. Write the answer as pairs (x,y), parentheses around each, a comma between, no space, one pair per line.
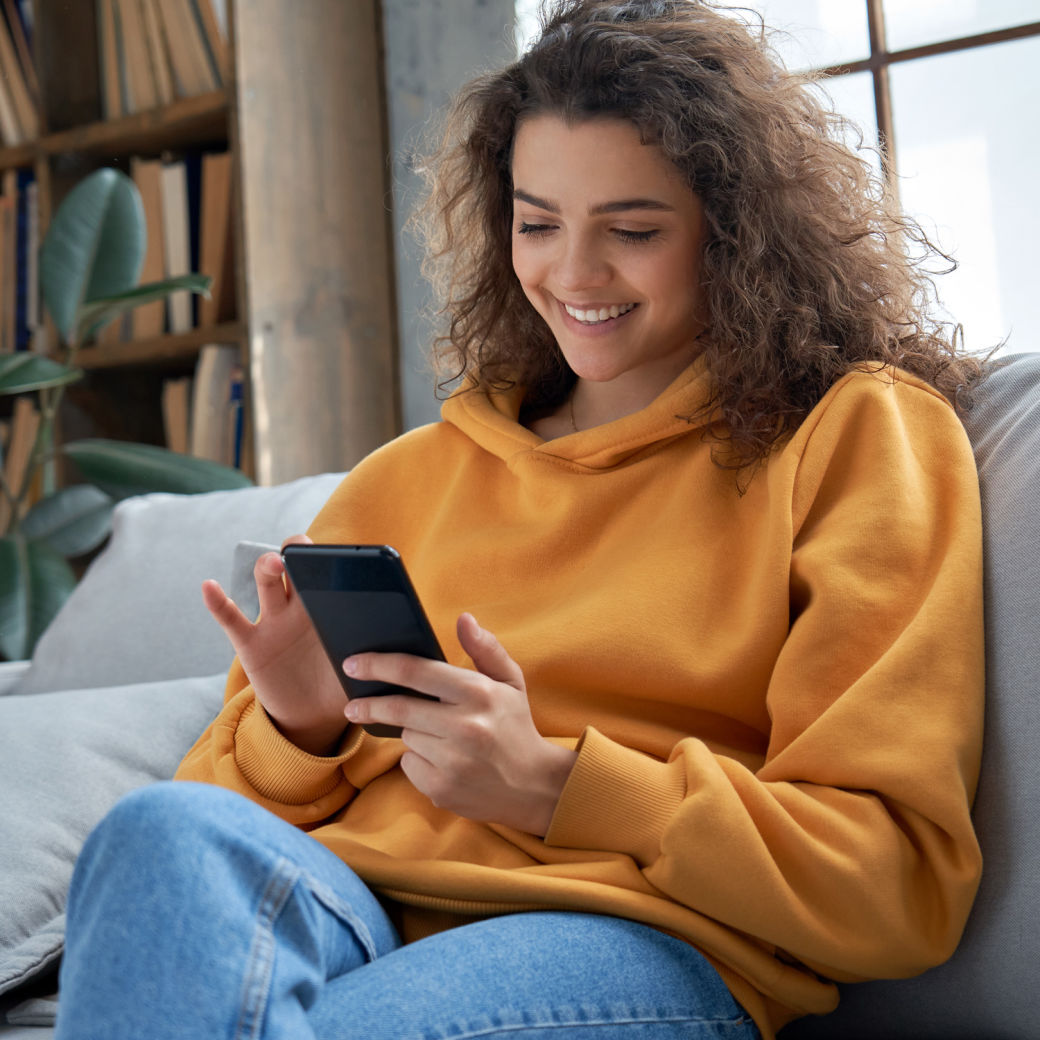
(527,270)
(681,280)
(521,261)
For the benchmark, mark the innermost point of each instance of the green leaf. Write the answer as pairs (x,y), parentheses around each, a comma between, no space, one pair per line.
(72,521)
(94,246)
(123,469)
(95,313)
(34,583)
(26,371)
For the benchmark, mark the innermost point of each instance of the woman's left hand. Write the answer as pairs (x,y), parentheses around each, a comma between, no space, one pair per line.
(475,750)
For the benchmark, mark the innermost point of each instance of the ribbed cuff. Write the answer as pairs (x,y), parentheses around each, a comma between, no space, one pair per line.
(280,771)
(616,800)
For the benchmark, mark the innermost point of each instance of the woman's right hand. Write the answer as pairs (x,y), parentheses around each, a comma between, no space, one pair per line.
(283,658)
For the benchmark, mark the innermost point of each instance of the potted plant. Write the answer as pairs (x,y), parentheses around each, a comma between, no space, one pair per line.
(89,265)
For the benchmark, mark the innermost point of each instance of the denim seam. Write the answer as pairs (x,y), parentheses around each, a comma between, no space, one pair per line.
(256,984)
(344,911)
(725,1023)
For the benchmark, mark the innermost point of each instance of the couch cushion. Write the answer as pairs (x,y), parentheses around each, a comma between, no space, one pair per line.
(137,615)
(65,758)
(988,989)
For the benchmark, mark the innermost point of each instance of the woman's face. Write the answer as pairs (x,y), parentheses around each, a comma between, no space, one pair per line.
(607,243)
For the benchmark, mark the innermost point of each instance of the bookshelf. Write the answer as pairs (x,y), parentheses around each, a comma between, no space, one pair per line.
(301,112)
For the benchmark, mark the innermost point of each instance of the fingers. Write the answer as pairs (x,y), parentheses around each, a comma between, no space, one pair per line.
(225,612)
(487,653)
(273,587)
(446,682)
(437,679)
(414,714)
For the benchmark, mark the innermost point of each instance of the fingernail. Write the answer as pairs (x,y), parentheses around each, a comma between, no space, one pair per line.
(350,666)
(351,711)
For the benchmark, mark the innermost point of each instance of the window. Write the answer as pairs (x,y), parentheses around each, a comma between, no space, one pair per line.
(948,91)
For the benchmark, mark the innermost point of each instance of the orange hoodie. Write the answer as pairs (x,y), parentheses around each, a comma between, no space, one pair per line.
(776,696)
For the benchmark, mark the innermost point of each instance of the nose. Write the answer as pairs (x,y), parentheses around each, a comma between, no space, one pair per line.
(580,265)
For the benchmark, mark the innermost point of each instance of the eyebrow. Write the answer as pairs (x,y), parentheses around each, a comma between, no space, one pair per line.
(617,206)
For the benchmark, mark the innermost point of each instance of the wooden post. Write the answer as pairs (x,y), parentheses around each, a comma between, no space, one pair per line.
(317,270)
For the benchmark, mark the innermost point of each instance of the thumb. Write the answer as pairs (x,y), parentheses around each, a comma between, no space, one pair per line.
(488,654)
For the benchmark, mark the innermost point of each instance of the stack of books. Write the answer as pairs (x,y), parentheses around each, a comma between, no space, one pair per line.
(187,206)
(202,414)
(19,90)
(155,51)
(19,271)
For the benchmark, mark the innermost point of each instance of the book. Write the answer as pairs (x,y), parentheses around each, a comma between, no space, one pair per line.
(110,60)
(24,260)
(215,239)
(149,320)
(10,129)
(141,90)
(173,183)
(192,71)
(176,409)
(26,112)
(193,176)
(19,32)
(206,17)
(204,59)
(8,260)
(25,420)
(211,402)
(33,307)
(235,429)
(159,55)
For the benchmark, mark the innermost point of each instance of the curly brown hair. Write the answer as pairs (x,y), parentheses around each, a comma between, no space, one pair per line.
(808,268)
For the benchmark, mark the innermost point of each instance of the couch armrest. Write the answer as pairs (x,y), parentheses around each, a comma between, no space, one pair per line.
(10,673)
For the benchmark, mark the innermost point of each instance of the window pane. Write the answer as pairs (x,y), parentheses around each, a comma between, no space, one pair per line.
(526,23)
(853,96)
(817,33)
(910,23)
(967,148)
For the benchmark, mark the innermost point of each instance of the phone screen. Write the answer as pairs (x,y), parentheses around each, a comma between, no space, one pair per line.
(359,598)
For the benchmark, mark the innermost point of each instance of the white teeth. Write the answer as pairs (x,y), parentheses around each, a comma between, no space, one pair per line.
(594,317)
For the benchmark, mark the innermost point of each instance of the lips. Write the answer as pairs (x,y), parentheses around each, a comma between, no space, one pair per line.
(598,315)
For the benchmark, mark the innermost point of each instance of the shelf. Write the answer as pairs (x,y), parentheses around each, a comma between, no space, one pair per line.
(188,121)
(15,156)
(158,351)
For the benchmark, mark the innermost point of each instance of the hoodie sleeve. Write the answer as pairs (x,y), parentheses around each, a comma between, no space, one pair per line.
(243,750)
(851,847)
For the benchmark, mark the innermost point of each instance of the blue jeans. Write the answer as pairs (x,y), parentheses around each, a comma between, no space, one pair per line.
(194,913)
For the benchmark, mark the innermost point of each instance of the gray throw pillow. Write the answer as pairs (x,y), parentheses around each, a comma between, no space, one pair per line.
(65,759)
(137,615)
(988,988)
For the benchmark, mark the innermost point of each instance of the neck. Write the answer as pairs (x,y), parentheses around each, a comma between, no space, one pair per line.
(594,403)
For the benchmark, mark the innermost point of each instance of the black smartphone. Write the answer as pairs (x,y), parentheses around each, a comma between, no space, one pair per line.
(360,598)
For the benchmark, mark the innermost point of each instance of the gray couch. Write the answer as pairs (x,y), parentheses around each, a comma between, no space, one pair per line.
(132,670)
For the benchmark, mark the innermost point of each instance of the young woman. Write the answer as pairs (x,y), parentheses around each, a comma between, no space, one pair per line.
(706,526)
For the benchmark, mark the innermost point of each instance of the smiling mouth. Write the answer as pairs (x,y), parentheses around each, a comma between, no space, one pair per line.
(596,316)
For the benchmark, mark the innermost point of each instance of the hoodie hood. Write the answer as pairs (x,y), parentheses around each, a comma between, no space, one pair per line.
(491,420)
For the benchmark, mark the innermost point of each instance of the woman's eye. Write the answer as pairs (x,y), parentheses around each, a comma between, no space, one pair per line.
(534,229)
(635,236)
